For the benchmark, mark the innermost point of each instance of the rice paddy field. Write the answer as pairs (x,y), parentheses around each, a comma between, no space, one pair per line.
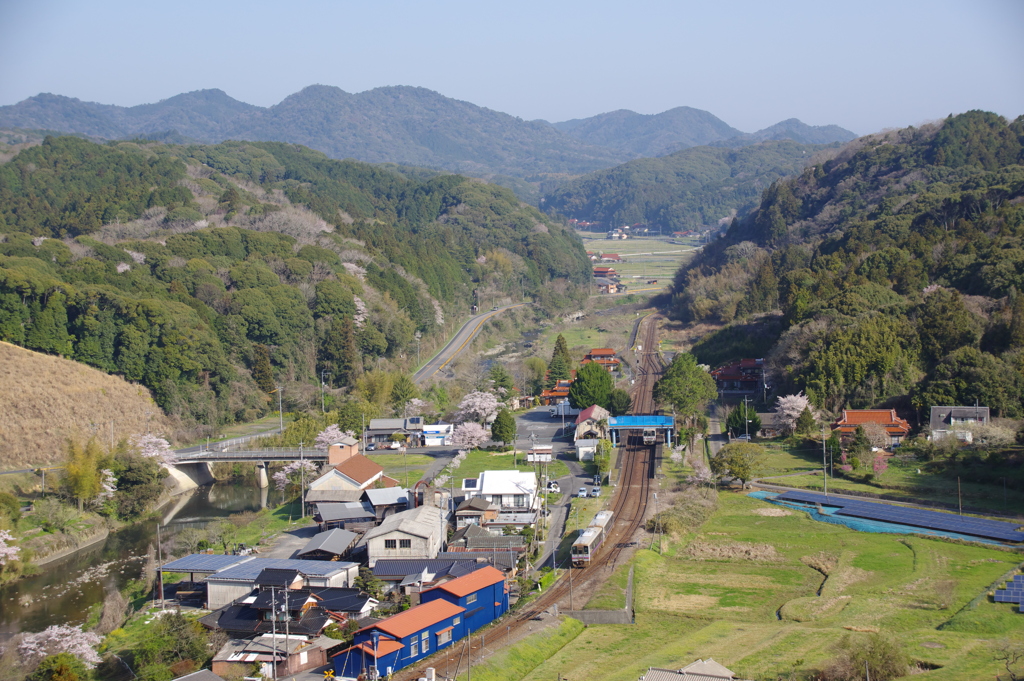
(644,257)
(767,592)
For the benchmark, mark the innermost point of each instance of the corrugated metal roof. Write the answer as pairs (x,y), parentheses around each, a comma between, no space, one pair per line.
(249,570)
(335,541)
(474,581)
(387,495)
(203,562)
(351,510)
(416,619)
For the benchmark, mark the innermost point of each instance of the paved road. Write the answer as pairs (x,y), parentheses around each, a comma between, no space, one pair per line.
(457,344)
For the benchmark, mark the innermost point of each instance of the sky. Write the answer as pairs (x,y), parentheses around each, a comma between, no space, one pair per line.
(865,65)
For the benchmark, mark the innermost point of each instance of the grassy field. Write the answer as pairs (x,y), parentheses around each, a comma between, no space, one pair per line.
(398,465)
(659,260)
(768,595)
(478,461)
(47,400)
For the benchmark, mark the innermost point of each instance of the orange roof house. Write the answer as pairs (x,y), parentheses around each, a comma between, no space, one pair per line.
(896,427)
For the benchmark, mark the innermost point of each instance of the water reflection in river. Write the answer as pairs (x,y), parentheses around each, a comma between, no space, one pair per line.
(64,590)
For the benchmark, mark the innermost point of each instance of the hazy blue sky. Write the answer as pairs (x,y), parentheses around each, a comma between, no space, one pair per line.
(864,65)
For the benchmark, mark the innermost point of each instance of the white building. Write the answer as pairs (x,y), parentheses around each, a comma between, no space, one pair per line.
(511,491)
(416,533)
(586,449)
(437,434)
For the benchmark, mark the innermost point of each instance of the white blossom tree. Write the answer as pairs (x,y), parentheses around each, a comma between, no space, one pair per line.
(477,406)
(329,435)
(293,473)
(108,485)
(7,552)
(470,434)
(789,408)
(154,447)
(60,638)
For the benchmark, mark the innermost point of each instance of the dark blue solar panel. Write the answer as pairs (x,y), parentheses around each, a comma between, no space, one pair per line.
(202,562)
(978,527)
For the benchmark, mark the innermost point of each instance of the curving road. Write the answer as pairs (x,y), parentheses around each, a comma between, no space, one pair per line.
(457,344)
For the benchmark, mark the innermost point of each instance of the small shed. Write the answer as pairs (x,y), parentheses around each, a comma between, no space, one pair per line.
(330,545)
(586,449)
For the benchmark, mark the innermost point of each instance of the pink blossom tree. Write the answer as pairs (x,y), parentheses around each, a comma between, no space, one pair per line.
(7,551)
(789,408)
(293,473)
(879,465)
(477,406)
(60,638)
(153,447)
(330,435)
(470,434)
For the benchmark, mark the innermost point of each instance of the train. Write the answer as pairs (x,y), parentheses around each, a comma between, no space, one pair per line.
(589,541)
(650,436)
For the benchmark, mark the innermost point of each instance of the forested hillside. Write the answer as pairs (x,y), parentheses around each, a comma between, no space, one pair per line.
(187,268)
(891,273)
(681,191)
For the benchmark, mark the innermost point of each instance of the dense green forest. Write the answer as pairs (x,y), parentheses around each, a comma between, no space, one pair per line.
(187,267)
(686,190)
(891,273)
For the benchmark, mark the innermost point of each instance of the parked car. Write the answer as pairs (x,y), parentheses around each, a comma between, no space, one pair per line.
(582,494)
(597,480)
(745,438)
(596,492)
(553,487)
(395,445)
(371,447)
(494,309)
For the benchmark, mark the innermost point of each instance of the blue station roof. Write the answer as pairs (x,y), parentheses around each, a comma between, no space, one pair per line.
(641,421)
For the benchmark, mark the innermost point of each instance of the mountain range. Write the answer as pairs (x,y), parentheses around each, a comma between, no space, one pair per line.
(409,126)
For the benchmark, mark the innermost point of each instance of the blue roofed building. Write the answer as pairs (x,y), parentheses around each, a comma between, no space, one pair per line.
(482,593)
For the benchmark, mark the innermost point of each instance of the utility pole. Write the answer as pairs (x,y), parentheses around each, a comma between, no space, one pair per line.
(746,419)
(302,479)
(280,414)
(160,564)
(824,468)
(323,384)
(657,522)
(419,335)
(273,628)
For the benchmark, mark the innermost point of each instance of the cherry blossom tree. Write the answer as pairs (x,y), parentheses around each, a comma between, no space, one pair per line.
(60,638)
(477,406)
(330,435)
(789,408)
(108,485)
(7,552)
(154,447)
(470,434)
(293,473)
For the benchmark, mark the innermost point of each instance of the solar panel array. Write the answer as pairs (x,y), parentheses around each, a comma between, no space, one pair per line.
(915,517)
(1013,593)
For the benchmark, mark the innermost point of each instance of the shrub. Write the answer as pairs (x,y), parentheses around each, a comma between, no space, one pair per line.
(880,655)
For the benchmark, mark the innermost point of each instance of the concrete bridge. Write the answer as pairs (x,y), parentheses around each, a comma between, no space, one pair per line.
(192,468)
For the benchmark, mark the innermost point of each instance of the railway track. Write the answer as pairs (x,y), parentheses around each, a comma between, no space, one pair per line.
(629,505)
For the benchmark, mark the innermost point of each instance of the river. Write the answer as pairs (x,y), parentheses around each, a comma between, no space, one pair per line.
(65,589)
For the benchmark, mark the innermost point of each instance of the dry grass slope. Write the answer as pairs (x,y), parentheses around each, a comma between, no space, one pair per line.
(45,400)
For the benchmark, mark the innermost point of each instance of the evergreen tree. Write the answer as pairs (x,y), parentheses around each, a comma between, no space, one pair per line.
(261,372)
(804,422)
(504,427)
(501,378)
(688,388)
(593,385)
(1017,322)
(48,331)
(558,370)
(619,402)
(403,390)
(562,350)
(82,471)
(743,419)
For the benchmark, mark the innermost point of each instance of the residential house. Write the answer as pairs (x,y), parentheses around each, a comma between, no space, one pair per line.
(307,611)
(610,257)
(201,675)
(331,496)
(278,655)
(382,430)
(358,472)
(341,450)
(400,640)
(745,377)
(772,425)
(956,422)
(476,511)
(605,272)
(592,423)
(512,491)
(474,539)
(896,427)
(357,516)
(603,356)
(237,581)
(438,434)
(329,545)
(506,561)
(482,593)
(559,392)
(606,285)
(701,670)
(586,450)
(416,533)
